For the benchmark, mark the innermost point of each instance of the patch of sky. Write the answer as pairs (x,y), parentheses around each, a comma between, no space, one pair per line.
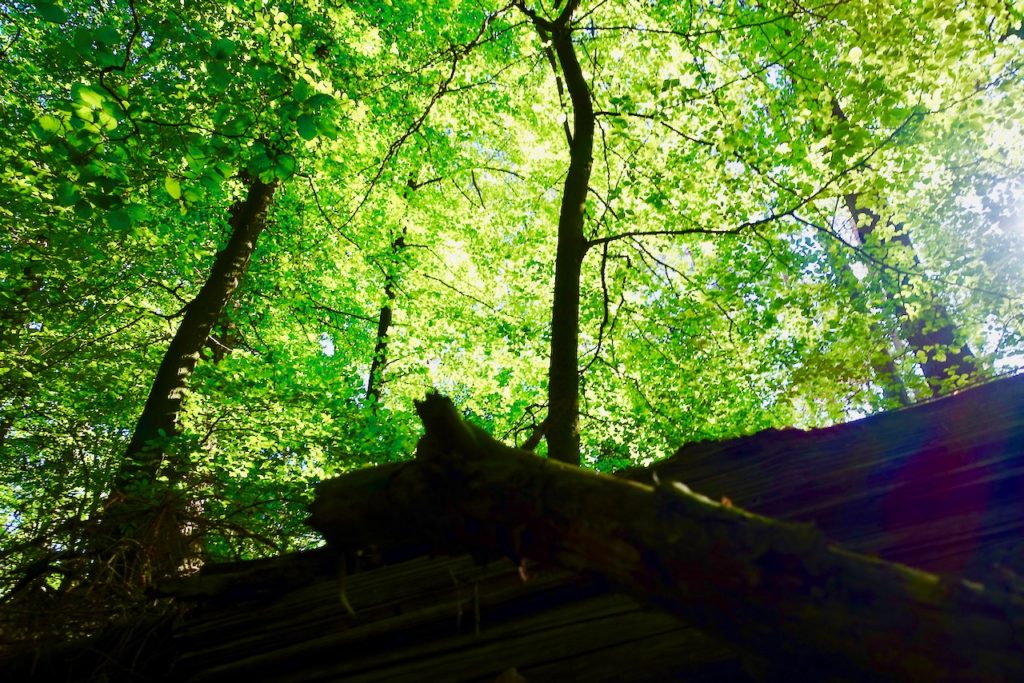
(326,344)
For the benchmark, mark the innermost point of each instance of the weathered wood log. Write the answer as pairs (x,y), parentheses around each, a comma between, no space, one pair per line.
(937,486)
(779,590)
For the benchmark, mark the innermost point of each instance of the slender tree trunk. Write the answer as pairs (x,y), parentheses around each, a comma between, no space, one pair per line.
(380,349)
(930,333)
(138,509)
(894,389)
(887,375)
(391,276)
(563,375)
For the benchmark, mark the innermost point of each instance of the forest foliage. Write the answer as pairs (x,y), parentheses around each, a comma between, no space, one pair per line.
(796,213)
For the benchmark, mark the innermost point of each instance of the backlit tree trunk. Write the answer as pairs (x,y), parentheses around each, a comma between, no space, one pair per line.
(380,348)
(930,333)
(141,510)
(563,375)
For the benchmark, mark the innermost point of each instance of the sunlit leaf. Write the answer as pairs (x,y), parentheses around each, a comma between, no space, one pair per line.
(173,187)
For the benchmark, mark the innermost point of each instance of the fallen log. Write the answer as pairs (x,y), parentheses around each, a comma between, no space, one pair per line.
(937,486)
(778,590)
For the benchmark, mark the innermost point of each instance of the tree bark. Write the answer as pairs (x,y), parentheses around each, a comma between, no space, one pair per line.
(930,333)
(136,508)
(779,590)
(887,375)
(380,348)
(562,433)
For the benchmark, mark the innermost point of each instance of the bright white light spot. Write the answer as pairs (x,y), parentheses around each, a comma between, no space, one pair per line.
(1017,225)
(326,344)
(1009,364)
(971,202)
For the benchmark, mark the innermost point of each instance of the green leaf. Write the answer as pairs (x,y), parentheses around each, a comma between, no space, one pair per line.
(49,124)
(51,12)
(318,101)
(219,75)
(327,128)
(119,219)
(289,110)
(173,187)
(68,194)
(108,35)
(237,126)
(259,164)
(222,48)
(106,120)
(86,95)
(285,166)
(302,90)
(306,125)
(107,58)
(211,180)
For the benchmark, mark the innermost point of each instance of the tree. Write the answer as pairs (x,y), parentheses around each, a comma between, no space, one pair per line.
(145,459)
(563,373)
(690,151)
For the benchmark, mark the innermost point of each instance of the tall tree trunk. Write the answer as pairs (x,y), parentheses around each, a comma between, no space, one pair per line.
(391,271)
(894,389)
(380,349)
(887,375)
(563,375)
(138,510)
(931,334)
